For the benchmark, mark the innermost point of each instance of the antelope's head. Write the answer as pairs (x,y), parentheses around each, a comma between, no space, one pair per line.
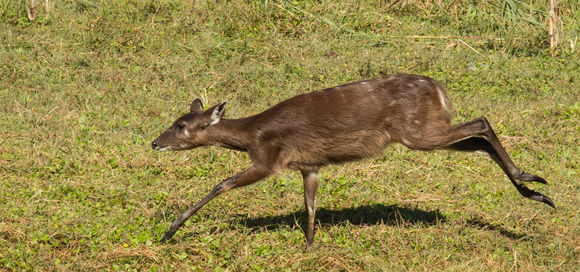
(190,130)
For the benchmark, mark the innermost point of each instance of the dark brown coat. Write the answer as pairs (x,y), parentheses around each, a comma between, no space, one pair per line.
(338,124)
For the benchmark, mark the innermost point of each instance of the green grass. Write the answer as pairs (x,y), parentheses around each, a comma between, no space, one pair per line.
(85,88)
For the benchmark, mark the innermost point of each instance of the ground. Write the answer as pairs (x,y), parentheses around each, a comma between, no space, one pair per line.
(87,85)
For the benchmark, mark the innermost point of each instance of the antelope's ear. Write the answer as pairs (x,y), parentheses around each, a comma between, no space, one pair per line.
(196,106)
(217,113)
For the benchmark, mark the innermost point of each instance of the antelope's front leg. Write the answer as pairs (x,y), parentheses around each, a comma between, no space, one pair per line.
(247,177)
(310,187)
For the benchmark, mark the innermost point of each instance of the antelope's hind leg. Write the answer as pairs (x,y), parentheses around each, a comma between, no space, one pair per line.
(483,145)
(477,135)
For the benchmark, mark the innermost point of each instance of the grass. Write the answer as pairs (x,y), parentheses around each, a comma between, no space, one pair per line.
(86,86)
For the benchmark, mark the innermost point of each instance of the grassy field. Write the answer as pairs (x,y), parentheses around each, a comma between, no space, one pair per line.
(87,86)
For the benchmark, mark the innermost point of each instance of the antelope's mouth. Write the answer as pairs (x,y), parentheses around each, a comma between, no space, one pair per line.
(162,148)
(158,147)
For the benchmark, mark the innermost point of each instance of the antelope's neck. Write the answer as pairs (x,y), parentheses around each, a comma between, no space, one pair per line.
(231,133)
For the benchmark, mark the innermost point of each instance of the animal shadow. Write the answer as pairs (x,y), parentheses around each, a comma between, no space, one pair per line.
(363,216)
(480,224)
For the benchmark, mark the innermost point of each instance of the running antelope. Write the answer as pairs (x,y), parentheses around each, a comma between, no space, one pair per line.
(339,124)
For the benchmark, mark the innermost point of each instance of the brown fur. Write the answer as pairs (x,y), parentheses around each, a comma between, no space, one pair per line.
(334,125)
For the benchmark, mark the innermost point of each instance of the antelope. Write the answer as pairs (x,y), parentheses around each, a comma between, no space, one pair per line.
(334,125)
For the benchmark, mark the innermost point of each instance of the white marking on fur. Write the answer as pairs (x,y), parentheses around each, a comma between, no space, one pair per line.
(214,117)
(186,132)
(467,137)
(312,175)
(388,135)
(405,142)
(482,153)
(442,99)
(312,210)
(391,77)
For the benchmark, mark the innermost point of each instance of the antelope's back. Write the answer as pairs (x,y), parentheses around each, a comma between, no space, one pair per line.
(354,120)
(363,105)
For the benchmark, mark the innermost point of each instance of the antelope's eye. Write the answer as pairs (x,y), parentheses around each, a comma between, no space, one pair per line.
(181,126)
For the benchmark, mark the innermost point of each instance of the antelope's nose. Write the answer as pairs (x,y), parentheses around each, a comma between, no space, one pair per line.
(154,144)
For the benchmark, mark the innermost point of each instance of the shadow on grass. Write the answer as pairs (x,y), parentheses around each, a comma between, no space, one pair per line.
(393,215)
(477,223)
(363,215)
(368,215)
